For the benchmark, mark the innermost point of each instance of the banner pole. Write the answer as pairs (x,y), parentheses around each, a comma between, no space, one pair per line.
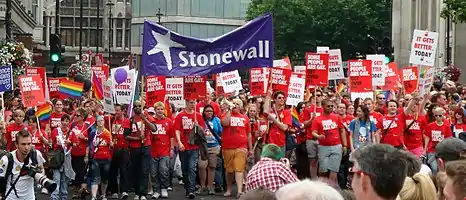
(3,107)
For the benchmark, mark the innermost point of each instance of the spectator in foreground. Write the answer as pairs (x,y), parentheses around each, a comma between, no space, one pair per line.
(377,173)
(418,187)
(259,194)
(455,185)
(449,149)
(308,190)
(271,172)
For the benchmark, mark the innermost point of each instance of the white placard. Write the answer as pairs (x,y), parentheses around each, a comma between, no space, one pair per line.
(296,90)
(108,96)
(362,95)
(323,50)
(231,81)
(378,69)
(282,63)
(300,69)
(423,48)
(426,82)
(175,92)
(124,92)
(335,65)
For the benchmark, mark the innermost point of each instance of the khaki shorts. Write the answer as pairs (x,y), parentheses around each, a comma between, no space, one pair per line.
(212,157)
(235,160)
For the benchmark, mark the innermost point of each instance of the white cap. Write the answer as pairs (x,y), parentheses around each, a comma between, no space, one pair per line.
(151,110)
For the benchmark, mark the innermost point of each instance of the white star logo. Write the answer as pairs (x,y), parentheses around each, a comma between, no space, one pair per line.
(164,43)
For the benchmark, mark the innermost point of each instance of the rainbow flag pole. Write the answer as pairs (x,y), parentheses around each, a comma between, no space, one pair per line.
(43,112)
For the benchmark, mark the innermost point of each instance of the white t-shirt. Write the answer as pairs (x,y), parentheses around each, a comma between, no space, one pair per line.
(25,184)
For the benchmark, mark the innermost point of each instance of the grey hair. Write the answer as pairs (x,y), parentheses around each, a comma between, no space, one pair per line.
(308,190)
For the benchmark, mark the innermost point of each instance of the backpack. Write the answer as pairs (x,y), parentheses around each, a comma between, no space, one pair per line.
(9,168)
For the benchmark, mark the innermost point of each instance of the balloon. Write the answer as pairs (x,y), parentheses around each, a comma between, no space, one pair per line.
(120,75)
(79,78)
(87,85)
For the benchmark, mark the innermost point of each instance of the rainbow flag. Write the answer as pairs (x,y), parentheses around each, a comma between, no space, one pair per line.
(295,118)
(43,112)
(71,88)
(168,110)
(97,87)
(340,87)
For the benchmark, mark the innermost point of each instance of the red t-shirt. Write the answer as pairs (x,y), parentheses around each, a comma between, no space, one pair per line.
(436,134)
(235,135)
(90,120)
(459,128)
(137,127)
(328,125)
(375,116)
(184,122)
(10,136)
(276,135)
(118,129)
(102,140)
(346,122)
(37,139)
(161,139)
(55,120)
(301,137)
(200,107)
(394,135)
(307,115)
(56,145)
(413,137)
(81,144)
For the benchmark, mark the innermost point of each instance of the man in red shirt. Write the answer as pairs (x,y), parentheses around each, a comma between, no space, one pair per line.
(120,158)
(329,130)
(139,142)
(279,119)
(309,114)
(373,115)
(189,154)
(200,106)
(237,142)
(161,151)
(390,127)
(14,128)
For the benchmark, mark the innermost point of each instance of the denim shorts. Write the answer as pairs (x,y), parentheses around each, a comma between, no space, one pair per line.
(329,158)
(100,169)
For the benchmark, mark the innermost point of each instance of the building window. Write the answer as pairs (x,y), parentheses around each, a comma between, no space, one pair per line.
(119,0)
(85,3)
(93,38)
(128,38)
(94,22)
(66,22)
(128,23)
(119,23)
(67,37)
(67,3)
(77,37)
(78,21)
(94,3)
(119,38)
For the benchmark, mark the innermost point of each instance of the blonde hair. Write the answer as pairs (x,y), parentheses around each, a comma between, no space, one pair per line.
(308,190)
(159,104)
(440,179)
(419,187)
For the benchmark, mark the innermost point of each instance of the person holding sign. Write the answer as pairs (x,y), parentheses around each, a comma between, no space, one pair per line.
(237,142)
(14,128)
(279,118)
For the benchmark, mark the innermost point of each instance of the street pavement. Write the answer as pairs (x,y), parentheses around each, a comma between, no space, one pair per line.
(177,193)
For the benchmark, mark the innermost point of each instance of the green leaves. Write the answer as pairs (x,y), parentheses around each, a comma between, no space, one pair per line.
(302,25)
(455,9)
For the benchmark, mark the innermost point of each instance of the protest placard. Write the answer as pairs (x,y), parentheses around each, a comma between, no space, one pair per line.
(282,63)
(38,71)
(231,81)
(360,78)
(378,69)
(31,90)
(175,92)
(194,87)
(218,85)
(155,89)
(423,48)
(124,92)
(316,69)
(296,90)
(6,78)
(391,78)
(256,82)
(100,71)
(335,65)
(108,96)
(410,79)
(54,84)
(300,69)
(280,79)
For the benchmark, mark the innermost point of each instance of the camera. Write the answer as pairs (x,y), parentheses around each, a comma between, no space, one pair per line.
(41,179)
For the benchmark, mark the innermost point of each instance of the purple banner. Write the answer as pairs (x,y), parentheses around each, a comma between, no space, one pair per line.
(166,53)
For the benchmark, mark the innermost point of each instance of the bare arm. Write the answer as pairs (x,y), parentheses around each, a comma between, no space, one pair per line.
(279,124)
(343,137)
(226,119)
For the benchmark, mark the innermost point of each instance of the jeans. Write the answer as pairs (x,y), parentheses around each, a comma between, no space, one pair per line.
(189,160)
(159,173)
(100,169)
(343,173)
(171,170)
(432,161)
(140,169)
(61,193)
(219,173)
(119,167)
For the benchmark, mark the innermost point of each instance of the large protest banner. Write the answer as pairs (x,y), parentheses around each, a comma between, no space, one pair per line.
(155,90)
(410,79)
(424,48)
(316,69)
(195,87)
(360,75)
(31,90)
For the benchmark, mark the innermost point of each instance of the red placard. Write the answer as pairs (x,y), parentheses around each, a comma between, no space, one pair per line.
(195,87)
(256,82)
(54,84)
(280,79)
(316,69)
(100,71)
(218,85)
(360,75)
(155,89)
(391,77)
(410,79)
(31,90)
(37,71)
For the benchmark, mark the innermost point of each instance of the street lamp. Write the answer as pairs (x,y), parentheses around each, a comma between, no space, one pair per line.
(159,16)
(110,4)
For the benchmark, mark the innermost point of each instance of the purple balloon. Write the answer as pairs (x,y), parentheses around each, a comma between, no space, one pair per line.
(120,75)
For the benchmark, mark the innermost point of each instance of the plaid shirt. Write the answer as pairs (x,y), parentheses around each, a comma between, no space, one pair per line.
(269,174)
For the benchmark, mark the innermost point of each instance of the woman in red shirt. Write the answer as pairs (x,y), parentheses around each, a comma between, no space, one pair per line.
(61,141)
(459,122)
(435,132)
(101,158)
(14,128)
(55,116)
(39,137)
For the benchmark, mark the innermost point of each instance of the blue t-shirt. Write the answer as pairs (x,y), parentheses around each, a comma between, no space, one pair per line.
(213,139)
(364,134)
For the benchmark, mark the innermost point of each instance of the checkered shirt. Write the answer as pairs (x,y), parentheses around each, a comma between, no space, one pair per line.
(269,174)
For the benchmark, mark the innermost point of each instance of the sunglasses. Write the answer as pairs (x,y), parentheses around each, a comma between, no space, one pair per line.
(138,106)
(438,115)
(319,95)
(381,98)
(280,97)
(77,115)
(329,106)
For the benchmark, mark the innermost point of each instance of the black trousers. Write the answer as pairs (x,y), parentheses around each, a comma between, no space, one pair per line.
(119,166)
(342,175)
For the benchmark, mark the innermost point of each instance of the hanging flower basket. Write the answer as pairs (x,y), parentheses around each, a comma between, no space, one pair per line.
(452,73)
(82,68)
(15,54)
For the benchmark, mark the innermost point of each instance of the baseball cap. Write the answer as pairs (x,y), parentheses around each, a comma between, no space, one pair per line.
(450,149)
(150,110)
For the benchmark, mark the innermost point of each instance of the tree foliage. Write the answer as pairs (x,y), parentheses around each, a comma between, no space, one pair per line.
(455,9)
(302,25)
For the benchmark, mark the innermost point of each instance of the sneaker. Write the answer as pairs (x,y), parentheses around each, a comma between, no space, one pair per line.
(151,192)
(115,196)
(180,182)
(103,197)
(170,189)
(191,196)
(156,195)
(44,191)
(164,193)
(124,195)
(143,198)
(211,191)
(136,197)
